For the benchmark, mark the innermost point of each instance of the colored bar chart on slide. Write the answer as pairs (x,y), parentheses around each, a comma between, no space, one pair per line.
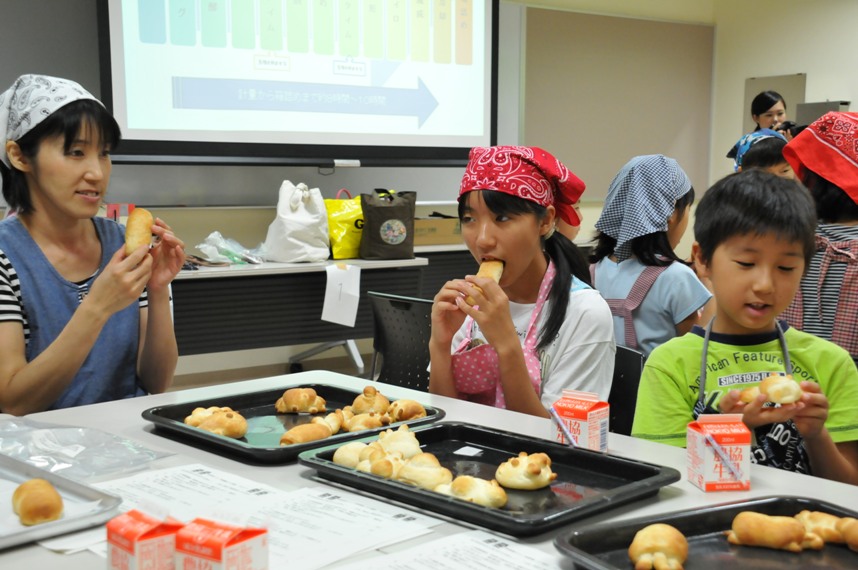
(412,67)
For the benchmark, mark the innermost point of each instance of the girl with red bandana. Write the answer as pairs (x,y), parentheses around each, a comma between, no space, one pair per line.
(542,329)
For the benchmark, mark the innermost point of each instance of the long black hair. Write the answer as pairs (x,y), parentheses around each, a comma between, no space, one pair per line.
(567,258)
(833,205)
(650,249)
(67,122)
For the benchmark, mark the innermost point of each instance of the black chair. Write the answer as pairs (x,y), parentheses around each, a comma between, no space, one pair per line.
(628,365)
(402,327)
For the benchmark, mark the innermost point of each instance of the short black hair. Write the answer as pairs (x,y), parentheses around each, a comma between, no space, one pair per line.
(755,202)
(833,204)
(764,153)
(67,122)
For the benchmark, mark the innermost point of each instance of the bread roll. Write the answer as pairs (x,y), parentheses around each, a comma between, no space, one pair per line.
(424,470)
(526,472)
(824,525)
(402,441)
(493,269)
(404,410)
(334,420)
(848,528)
(138,229)
(371,420)
(300,400)
(658,547)
(306,432)
(226,423)
(781,389)
(37,501)
(475,490)
(348,455)
(371,400)
(775,532)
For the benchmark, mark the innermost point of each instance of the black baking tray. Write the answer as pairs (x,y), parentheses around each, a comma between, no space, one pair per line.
(261,445)
(605,546)
(587,482)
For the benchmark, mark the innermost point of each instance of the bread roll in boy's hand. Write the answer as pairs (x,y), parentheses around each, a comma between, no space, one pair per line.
(778,389)
(138,229)
(493,269)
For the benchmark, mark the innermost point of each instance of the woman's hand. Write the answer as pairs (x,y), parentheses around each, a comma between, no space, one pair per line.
(168,256)
(490,310)
(121,282)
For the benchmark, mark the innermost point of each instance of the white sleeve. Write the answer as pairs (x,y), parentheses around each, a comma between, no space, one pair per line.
(582,356)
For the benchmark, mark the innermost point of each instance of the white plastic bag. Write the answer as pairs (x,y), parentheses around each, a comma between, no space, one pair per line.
(300,230)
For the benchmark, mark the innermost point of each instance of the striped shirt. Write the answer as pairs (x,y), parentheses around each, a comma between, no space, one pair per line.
(828,308)
(12,305)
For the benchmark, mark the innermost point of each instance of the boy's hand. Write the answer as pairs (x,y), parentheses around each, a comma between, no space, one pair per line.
(755,413)
(810,420)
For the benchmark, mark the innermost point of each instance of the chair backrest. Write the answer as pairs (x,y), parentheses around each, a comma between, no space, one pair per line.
(628,365)
(402,327)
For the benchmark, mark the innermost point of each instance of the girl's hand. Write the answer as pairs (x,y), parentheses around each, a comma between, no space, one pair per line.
(121,282)
(168,256)
(446,316)
(810,420)
(756,413)
(490,310)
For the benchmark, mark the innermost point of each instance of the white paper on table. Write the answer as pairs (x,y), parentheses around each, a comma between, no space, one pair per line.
(471,550)
(342,294)
(310,527)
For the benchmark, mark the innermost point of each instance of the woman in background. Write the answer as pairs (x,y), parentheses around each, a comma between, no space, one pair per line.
(80,321)
(541,329)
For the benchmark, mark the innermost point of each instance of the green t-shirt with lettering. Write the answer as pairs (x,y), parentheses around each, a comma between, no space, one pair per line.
(669,389)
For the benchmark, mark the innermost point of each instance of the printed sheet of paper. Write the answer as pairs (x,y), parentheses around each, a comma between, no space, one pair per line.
(473,550)
(310,527)
(342,294)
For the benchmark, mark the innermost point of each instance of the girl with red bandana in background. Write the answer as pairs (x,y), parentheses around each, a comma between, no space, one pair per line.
(542,329)
(824,157)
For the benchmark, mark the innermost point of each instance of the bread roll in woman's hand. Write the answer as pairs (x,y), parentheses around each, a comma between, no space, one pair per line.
(138,229)
(37,501)
(493,269)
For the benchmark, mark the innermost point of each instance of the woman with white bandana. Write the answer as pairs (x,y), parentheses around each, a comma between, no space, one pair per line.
(653,295)
(80,321)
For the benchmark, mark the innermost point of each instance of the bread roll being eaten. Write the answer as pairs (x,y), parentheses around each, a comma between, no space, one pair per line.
(778,389)
(37,501)
(138,229)
(493,269)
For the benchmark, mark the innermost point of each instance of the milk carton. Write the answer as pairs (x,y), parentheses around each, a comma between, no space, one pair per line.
(137,540)
(586,418)
(724,469)
(215,545)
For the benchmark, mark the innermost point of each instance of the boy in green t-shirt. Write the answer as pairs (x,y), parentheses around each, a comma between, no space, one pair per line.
(754,237)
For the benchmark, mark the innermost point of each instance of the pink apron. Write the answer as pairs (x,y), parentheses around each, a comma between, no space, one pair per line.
(476,370)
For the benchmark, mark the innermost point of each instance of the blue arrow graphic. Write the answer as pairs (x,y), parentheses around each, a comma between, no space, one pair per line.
(244,95)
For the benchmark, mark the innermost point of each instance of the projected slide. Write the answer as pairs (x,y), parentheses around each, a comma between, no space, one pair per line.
(371,72)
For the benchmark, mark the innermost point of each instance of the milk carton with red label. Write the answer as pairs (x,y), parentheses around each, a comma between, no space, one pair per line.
(586,418)
(724,469)
(136,540)
(212,545)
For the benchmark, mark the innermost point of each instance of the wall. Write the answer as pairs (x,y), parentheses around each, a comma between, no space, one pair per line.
(816,38)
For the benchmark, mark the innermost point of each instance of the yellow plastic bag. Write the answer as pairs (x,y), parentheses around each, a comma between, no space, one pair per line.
(345,225)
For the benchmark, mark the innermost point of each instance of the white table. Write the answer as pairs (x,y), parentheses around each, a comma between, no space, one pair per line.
(123,418)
